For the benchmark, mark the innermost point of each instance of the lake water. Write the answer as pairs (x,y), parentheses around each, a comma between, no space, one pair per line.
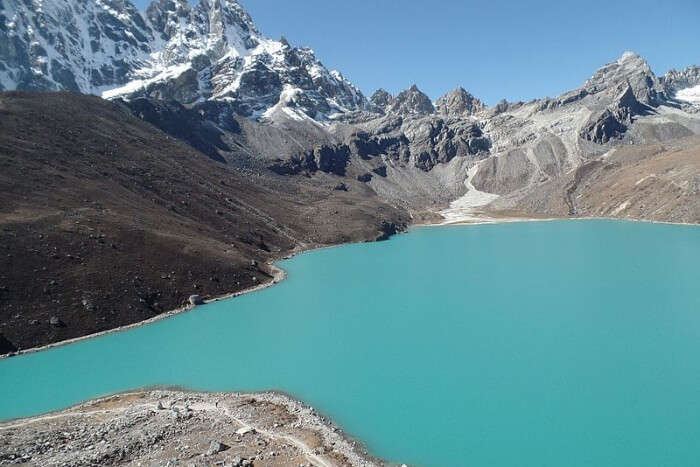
(568,343)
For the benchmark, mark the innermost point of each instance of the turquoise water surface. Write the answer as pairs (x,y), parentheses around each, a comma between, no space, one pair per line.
(568,343)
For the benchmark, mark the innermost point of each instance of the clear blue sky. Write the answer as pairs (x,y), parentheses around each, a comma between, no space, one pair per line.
(513,49)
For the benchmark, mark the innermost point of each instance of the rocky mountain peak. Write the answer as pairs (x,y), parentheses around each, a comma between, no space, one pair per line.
(411,102)
(167,15)
(631,68)
(458,102)
(226,18)
(381,99)
(172,51)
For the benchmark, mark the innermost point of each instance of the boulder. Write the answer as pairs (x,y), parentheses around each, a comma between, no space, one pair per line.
(56,322)
(196,300)
(216,447)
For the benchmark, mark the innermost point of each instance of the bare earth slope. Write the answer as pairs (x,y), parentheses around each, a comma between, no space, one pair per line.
(106,221)
(657,182)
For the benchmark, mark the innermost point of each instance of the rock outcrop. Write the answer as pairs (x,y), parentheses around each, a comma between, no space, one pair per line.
(675,81)
(614,121)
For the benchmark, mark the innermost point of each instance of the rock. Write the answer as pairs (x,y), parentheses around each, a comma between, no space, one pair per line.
(88,305)
(55,321)
(196,300)
(365,177)
(216,447)
(341,187)
(244,430)
(332,159)
(6,346)
(381,171)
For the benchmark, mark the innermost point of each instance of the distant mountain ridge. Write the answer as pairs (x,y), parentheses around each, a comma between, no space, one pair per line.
(171,51)
(214,51)
(194,71)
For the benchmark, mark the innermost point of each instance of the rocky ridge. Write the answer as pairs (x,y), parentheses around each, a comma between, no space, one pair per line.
(211,51)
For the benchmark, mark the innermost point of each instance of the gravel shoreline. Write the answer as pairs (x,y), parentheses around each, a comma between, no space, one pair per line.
(278,275)
(174,427)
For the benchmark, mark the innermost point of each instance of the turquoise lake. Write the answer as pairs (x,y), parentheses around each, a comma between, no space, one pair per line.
(567,343)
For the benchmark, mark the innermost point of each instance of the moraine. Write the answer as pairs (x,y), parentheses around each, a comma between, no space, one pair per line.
(544,343)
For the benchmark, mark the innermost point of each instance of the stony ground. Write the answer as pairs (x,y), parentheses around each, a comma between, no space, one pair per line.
(107,221)
(172,428)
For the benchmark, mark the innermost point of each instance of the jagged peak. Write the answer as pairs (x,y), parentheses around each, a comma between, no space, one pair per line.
(413,89)
(633,69)
(171,5)
(411,101)
(630,63)
(459,102)
(223,15)
(675,80)
(381,98)
(630,56)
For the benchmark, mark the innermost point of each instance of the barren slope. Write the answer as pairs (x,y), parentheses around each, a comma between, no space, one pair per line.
(105,220)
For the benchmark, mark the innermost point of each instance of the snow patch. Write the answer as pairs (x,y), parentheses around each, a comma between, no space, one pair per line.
(139,84)
(463,208)
(691,95)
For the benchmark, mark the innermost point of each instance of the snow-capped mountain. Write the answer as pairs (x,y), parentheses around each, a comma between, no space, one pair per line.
(212,51)
(78,45)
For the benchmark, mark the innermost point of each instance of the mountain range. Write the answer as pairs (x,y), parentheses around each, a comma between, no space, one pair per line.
(248,149)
